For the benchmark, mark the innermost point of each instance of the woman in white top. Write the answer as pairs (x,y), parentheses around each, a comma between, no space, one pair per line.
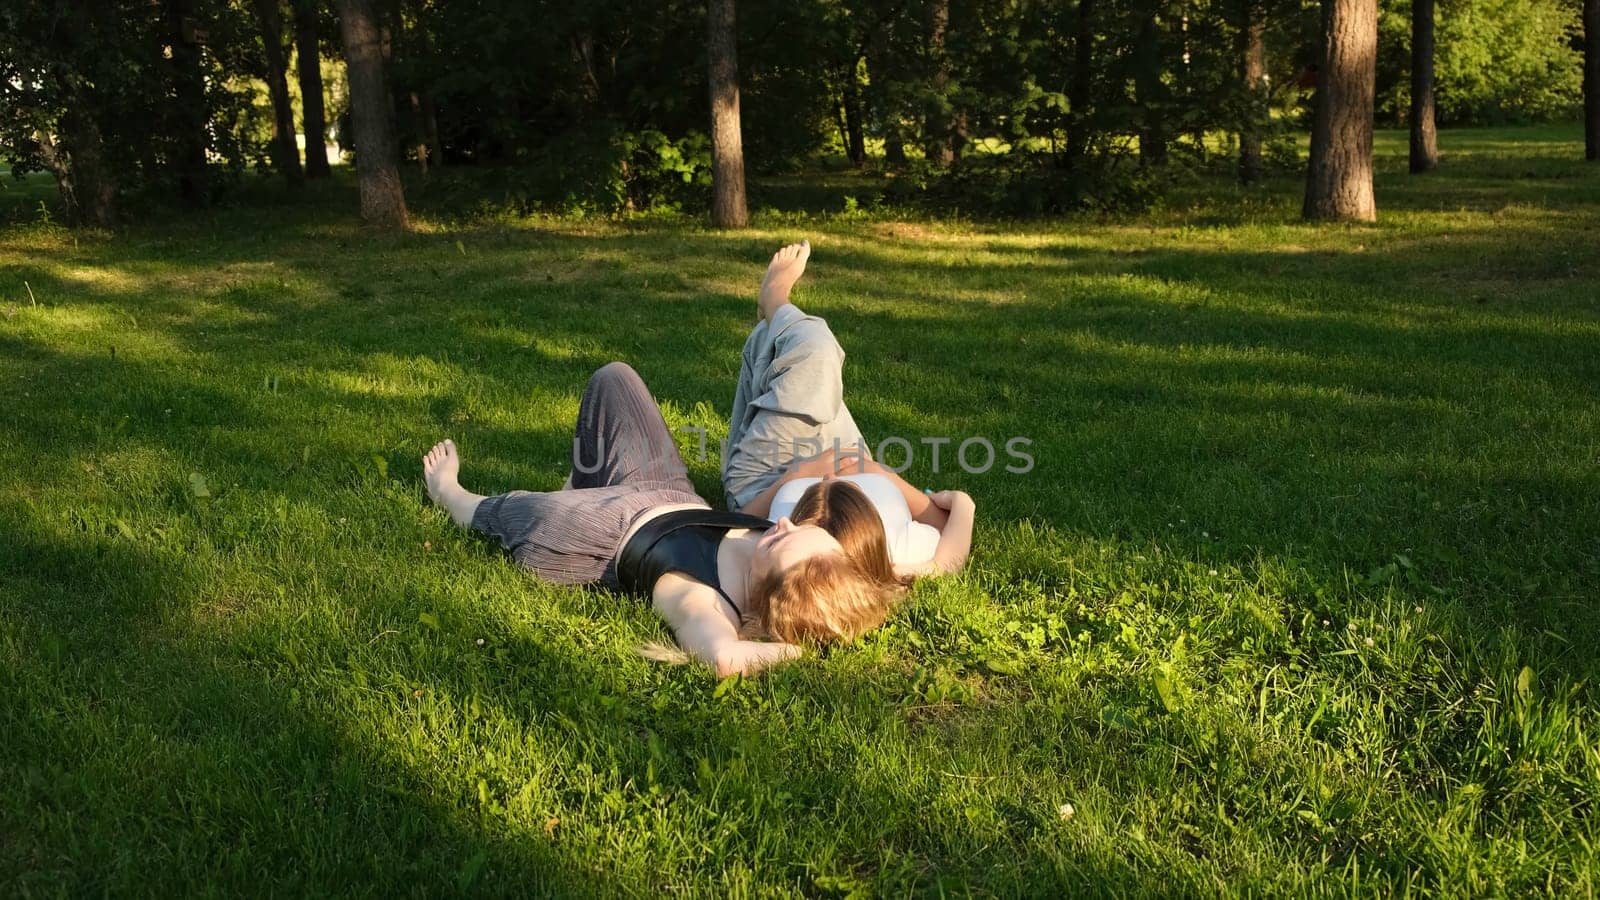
(790,399)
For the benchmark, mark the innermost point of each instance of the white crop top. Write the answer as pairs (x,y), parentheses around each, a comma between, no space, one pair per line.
(910,541)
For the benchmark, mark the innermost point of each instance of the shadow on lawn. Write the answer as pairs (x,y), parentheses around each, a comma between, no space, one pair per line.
(128,730)
(1326,438)
(1335,433)
(125,729)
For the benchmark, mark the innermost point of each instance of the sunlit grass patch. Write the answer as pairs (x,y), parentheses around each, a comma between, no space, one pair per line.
(1301,583)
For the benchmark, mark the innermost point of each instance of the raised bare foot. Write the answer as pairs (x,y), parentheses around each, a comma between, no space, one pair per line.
(787,265)
(441,470)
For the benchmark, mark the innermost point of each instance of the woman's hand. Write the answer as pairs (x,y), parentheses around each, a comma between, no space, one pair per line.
(750,657)
(833,463)
(947,500)
(823,465)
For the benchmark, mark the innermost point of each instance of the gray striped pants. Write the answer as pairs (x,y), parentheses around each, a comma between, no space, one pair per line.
(624,462)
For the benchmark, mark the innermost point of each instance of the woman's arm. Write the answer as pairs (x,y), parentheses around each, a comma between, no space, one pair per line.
(695,614)
(955,538)
(749,657)
(923,509)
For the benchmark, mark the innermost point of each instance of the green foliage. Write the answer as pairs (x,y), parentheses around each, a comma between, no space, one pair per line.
(597,105)
(1032,185)
(508,75)
(106,64)
(1495,61)
(605,171)
(792,65)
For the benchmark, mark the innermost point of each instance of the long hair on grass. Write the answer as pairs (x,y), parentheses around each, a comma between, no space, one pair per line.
(821,600)
(842,509)
(832,597)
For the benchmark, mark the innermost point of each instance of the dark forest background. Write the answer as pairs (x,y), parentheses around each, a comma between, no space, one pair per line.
(1003,106)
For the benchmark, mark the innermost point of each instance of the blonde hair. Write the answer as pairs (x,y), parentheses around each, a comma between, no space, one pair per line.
(843,510)
(831,597)
(822,599)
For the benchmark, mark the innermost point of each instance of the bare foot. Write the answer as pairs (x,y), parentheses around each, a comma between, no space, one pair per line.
(441,470)
(787,265)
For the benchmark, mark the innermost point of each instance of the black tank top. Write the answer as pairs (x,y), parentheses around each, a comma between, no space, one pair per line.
(683,541)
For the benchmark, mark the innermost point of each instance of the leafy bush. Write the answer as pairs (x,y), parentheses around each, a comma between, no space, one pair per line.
(1033,184)
(655,170)
(608,170)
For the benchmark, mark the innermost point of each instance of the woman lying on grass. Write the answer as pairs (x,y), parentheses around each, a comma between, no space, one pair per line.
(631,521)
(790,429)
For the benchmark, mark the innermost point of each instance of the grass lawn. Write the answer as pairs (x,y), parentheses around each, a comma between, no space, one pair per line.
(1302,595)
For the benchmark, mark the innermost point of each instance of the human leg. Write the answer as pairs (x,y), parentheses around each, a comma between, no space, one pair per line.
(570,537)
(441,470)
(787,265)
(621,436)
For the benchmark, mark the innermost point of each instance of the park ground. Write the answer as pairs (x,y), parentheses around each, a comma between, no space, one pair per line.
(1301,596)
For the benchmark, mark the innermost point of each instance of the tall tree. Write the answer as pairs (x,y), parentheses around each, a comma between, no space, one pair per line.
(82,83)
(383,199)
(188,110)
(1081,87)
(409,46)
(939,130)
(850,116)
(1253,70)
(1424,138)
(1151,93)
(77,160)
(285,156)
(728,209)
(1339,179)
(313,112)
(889,37)
(1591,78)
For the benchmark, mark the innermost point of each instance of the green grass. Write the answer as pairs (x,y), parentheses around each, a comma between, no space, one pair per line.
(1301,596)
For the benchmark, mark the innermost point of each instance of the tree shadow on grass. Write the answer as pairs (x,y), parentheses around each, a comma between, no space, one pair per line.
(141,759)
(1328,427)
(1138,428)
(157,747)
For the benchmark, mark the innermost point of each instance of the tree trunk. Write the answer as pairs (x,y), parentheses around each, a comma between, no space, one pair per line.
(1081,87)
(78,163)
(1254,72)
(383,199)
(313,111)
(285,156)
(188,110)
(728,209)
(939,127)
(54,157)
(1424,140)
(1147,84)
(1339,179)
(1591,78)
(855,139)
